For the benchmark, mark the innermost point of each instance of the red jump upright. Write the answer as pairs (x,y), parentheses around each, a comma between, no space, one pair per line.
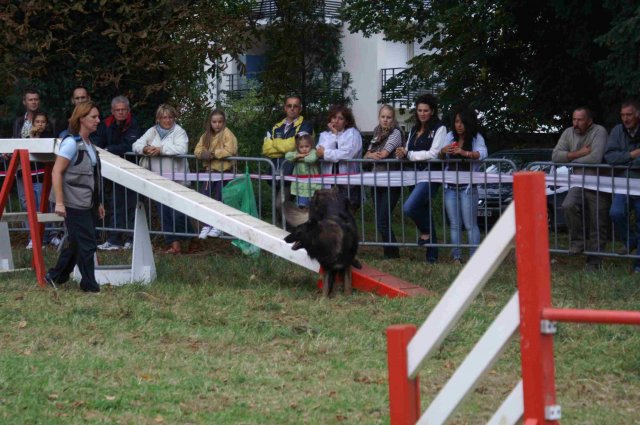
(534,289)
(537,316)
(21,157)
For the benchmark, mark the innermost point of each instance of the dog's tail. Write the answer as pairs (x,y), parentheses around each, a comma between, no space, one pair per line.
(294,215)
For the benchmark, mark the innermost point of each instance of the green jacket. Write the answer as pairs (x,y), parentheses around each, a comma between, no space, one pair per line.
(304,167)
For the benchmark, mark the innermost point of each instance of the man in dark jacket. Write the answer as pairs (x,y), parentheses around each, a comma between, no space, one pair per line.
(78,95)
(22,130)
(623,148)
(22,125)
(116,134)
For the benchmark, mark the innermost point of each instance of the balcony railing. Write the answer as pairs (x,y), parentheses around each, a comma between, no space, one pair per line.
(268,9)
(404,93)
(238,84)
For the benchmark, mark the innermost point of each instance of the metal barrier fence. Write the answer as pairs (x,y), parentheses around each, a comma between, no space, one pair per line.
(387,206)
(390,197)
(594,204)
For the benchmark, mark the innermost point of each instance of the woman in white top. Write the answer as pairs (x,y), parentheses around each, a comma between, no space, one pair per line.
(159,143)
(339,143)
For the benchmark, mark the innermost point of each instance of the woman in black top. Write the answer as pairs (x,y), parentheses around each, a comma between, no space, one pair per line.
(424,143)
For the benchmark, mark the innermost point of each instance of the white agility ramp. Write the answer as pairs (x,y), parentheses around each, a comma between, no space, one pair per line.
(203,208)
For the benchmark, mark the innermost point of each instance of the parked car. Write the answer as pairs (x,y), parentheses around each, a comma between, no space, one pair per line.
(493,198)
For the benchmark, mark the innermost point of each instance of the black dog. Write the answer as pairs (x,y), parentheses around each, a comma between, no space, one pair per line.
(329,235)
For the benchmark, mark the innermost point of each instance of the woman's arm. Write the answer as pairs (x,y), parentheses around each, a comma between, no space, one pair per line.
(176,143)
(146,139)
(439,141)
(229,145)
(57,175)
(479,148)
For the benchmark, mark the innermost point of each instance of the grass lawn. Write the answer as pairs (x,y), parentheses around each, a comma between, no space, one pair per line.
(221,338)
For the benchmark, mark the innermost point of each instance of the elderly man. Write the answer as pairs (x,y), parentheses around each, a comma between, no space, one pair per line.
(116,135)
(584,143)
(281,139)
(623,148)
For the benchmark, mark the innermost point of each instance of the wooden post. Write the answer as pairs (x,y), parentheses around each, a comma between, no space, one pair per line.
(404,393)
(534,288)
(37,261)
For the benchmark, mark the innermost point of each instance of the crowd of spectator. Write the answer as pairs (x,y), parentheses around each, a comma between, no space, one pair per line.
(291,145)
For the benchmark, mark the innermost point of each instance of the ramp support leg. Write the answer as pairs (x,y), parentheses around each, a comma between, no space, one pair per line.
(6,256)
(143,266)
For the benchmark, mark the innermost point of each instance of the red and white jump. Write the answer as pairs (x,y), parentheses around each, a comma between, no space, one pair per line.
(533,399)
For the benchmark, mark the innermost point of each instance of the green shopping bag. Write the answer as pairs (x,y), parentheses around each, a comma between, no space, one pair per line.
(238,193)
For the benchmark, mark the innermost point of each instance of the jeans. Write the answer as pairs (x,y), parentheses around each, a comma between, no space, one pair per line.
(385,199)
(461,203)
(418,207)
(303,201)
(37,192)
(619,216)
(174,222)
(81,228)
(123,214)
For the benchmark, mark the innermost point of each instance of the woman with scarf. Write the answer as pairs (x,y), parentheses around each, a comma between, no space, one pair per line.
(160,143)
(425,140)
(387,137)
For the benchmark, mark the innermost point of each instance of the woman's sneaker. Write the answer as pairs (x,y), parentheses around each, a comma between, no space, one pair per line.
(204,233)
(215,233)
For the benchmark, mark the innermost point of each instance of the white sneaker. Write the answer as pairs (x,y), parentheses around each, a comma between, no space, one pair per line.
(204,233)
(55,241)
(127,245)
(30,244)
(109,247)
(215,233)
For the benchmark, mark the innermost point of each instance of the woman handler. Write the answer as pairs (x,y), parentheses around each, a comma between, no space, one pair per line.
(76,193)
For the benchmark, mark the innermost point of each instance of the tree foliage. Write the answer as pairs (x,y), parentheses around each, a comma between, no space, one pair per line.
(524,65)
(620,69)
(153,51)
(304,56)
(249,117)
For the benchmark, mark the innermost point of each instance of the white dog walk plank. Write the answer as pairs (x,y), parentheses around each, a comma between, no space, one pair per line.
(35,146)
(203,208)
